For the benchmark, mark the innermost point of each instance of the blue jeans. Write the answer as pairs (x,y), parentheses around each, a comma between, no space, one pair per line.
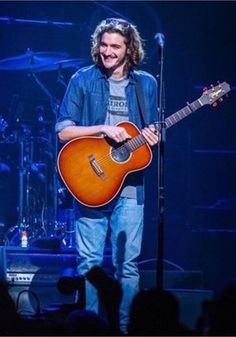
(125,218)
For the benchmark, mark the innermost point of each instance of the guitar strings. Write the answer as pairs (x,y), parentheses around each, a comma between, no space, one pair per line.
(136,142)
(103,159)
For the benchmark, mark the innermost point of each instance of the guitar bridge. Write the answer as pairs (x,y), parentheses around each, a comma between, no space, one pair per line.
(96,167)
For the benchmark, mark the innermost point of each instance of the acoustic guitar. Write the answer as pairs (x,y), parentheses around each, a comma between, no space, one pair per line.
(94,168)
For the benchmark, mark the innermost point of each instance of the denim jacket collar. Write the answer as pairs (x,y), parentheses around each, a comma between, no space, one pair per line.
(101,74)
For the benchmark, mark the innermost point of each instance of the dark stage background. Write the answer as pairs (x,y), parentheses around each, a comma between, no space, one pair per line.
(200,151)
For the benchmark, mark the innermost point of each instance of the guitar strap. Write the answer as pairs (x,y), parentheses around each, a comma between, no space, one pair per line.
(139,94)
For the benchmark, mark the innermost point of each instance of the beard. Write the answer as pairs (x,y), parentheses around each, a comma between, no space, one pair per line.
(114,66)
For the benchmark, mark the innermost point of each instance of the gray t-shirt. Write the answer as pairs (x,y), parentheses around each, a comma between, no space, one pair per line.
(118,112)
(117,107)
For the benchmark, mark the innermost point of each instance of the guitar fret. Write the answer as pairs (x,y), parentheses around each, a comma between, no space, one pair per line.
(195,105)
(190,109)
(130,144)
(168,123)
(136,142)
(186,111)
(174,118)
(179,115)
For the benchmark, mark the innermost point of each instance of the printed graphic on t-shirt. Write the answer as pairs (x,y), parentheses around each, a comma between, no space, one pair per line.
(118,106)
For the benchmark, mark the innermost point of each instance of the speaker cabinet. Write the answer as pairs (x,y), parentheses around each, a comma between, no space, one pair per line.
(36,298)
(187,288)
(190,304)
(32,276)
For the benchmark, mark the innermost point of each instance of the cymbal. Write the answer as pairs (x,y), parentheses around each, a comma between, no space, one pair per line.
(31,60)
(71,63)
(62,64)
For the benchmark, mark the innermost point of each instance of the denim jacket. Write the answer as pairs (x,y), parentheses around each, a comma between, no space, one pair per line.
(87,95)
(86,99)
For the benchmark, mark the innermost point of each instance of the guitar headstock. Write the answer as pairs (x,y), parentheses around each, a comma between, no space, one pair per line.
(215,93)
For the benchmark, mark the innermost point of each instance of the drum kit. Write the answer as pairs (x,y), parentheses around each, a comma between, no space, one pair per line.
(29,149)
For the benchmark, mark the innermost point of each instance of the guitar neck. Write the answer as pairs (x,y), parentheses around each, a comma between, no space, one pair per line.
(176,117)
(208,97)
(182,113)
(134,143)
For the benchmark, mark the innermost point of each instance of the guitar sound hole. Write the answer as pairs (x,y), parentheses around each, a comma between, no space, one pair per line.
(120,154)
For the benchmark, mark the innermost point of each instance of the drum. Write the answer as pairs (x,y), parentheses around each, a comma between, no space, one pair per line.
(8,187)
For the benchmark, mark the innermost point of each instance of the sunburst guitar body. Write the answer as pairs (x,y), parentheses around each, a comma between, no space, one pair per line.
(94,168)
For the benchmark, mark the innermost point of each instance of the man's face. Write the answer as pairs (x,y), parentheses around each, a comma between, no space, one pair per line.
(113,51)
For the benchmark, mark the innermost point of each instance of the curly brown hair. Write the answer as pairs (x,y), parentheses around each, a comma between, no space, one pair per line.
(132,37)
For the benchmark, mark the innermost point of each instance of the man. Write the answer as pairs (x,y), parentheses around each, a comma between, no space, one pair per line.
(97,98)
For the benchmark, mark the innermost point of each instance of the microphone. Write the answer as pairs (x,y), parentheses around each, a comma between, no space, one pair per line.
(160,38)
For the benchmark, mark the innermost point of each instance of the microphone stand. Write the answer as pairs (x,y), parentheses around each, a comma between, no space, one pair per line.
(161,188)
(54,105)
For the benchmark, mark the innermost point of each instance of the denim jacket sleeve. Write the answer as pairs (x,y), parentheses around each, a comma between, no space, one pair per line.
(86,99)
(71,106)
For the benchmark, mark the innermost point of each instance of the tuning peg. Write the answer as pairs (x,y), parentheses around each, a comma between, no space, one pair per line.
(205,89)
(214,104)
(221,99)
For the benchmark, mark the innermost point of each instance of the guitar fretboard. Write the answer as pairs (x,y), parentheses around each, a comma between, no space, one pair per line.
(208,97)
(182,113)
(135,143)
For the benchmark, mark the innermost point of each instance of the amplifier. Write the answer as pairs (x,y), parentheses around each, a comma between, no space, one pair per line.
(27,278)
(32,276)
(19,278)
